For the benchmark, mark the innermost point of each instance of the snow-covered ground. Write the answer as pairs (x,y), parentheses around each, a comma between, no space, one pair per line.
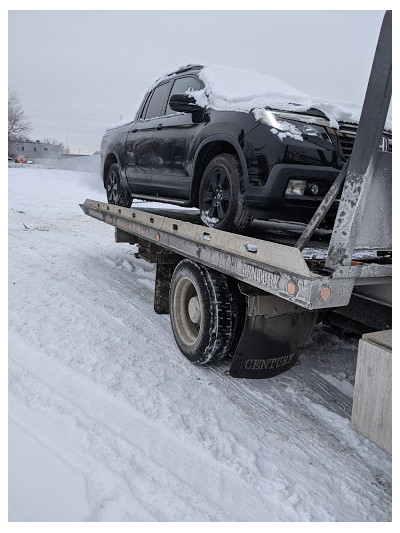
(108,421)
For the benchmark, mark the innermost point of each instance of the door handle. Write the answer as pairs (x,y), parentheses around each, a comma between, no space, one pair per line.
(159,127)
(134,131)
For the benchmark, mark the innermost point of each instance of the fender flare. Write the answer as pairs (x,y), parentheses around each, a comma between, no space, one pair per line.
(226,138)
(124,181)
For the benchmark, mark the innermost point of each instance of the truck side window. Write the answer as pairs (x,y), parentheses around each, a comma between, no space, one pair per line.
(143,105)
(156,104)
(181,85)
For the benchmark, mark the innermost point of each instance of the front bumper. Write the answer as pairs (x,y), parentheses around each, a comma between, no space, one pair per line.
(269,201)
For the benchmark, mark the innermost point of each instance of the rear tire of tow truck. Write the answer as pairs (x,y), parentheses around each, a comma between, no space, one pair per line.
(115,193)
(203,312)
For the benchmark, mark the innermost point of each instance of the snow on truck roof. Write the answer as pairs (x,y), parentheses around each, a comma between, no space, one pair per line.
(235,89)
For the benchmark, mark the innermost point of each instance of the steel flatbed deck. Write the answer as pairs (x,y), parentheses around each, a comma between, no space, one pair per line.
(273,267)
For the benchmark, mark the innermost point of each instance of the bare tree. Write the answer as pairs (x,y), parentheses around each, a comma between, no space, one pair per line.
(18,121)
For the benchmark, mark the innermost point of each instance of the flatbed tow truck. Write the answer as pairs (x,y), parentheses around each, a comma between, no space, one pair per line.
(262,292)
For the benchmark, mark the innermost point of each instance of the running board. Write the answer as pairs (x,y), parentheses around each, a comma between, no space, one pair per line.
(162,199)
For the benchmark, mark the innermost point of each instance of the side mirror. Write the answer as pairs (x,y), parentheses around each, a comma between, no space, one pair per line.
(183,103)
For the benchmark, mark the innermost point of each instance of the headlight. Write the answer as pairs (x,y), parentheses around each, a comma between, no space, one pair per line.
(292,124)
(308,119)
(270,119)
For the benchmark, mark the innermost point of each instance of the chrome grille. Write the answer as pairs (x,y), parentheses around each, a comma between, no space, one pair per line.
(347,134)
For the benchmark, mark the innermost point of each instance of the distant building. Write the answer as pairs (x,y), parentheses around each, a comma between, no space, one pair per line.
(33,150)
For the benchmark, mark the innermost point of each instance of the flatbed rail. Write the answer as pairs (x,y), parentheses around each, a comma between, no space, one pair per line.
(268,266)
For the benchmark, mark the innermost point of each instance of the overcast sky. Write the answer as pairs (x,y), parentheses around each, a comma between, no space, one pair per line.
(78,71)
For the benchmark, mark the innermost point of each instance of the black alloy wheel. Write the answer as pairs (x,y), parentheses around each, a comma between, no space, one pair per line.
(221,195)
(217,194)
(115,193)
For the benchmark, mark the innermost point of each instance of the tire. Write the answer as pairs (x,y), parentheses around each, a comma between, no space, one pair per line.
(202,312)
(240,311)
(115,193)
(221,196)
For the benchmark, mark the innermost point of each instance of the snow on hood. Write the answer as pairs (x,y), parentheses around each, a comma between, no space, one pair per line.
(235,89)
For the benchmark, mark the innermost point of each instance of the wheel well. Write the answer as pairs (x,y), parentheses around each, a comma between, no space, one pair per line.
(109,160)
(208,152)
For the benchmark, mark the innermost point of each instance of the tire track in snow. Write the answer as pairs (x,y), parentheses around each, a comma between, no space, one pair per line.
(192,466)
(343,451)
(113,300)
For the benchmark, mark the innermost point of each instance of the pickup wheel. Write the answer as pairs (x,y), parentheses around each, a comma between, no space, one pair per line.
(203,312)
(221,196)
(115,193)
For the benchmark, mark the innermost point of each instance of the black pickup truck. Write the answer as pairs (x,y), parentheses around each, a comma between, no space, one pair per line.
(232,165)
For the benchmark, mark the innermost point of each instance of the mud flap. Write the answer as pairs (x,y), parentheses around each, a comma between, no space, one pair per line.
(269,344)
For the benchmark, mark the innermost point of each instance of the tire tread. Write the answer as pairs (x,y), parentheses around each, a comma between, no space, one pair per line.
(216,342)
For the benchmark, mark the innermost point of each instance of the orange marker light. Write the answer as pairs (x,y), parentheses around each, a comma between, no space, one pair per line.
(291,288)
(325,293)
